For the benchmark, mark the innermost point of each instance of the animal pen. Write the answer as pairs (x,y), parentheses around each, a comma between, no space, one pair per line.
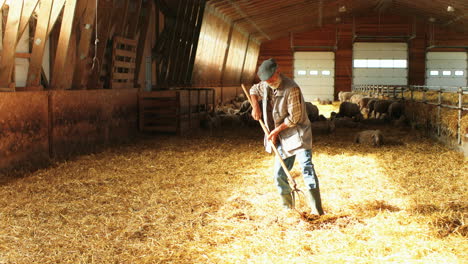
(125,136)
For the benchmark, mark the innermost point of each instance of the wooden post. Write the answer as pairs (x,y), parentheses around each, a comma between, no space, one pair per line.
(144,26)
(134,19)
(80,77)
(186,31)
(56,10)
(40,38)
(7,61)
(63,43)
(120,17)
(196,34)
(28,9)
(104,23)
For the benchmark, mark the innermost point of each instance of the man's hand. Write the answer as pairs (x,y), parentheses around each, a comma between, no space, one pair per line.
(273,136)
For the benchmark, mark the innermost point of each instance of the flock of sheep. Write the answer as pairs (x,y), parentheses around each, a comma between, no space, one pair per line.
(355,111)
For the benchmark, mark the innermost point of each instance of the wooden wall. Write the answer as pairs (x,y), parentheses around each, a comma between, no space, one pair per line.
(37,126)
(225,57)
(339,38)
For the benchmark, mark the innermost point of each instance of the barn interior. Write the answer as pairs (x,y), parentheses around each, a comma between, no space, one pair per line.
(126,138)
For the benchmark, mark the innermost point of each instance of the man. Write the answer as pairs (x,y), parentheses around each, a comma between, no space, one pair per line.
(285,115)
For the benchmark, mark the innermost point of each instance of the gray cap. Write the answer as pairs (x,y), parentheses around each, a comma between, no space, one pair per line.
(267,69)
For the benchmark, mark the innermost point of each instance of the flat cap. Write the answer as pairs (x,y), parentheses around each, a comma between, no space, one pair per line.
(267,69)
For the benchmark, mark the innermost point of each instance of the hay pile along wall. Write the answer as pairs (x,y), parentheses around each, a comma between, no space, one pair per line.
(38,125)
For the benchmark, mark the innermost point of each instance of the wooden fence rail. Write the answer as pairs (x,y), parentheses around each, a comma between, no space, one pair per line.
(399,91)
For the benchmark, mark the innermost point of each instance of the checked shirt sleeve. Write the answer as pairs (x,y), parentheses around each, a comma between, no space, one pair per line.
(294,108)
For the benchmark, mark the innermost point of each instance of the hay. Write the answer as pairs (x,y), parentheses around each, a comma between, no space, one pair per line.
(211,200)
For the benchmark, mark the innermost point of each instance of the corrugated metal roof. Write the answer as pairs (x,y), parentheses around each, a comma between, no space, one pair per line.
(271,19)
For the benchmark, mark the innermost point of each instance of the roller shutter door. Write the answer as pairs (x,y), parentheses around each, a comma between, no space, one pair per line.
(314,72)
(380,63)
(446,69)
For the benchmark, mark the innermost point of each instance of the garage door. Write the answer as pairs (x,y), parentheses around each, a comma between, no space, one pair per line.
(314,72)
(446,69)
(380,63)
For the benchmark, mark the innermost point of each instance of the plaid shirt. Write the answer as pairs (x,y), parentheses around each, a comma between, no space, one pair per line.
(294,102)
(294,107)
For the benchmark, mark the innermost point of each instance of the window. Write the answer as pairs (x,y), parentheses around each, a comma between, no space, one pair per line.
(380,63)
(400,63)
(446,73)
(313,72)
(301,72)
(434,73)
(326,72)
(360,63)
(458,73)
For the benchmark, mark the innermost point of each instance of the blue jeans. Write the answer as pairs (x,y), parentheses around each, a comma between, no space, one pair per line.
(304,157)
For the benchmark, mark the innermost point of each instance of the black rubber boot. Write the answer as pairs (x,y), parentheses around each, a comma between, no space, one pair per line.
(315,201)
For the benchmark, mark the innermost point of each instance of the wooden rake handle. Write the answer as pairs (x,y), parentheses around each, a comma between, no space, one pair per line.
(265,129)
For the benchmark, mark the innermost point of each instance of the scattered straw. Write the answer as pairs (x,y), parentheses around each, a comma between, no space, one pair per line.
(211,200)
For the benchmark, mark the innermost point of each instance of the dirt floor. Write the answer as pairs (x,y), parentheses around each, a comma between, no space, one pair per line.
(211,199)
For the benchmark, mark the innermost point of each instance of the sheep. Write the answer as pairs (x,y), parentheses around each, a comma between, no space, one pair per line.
(350,110)
(312,111)
(363,102)
(381,107)
(245,107)
(402,121)
(323,127)
(395,110)
(324,102)
(345,122)
(345,96)
(370,106)
(356,98)
(369,137)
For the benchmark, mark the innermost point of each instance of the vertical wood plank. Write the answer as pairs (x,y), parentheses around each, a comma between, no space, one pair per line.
(196,33)
(172,49)
(144,26)
(63,43)
(187,29)
(7,61)
(134,20)
(56,9)
(120,18)
(81,74)
(181,40)
(104,28)
(40,38)
(28,9)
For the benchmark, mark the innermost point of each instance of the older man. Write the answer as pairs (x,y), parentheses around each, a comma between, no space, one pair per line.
(285,115)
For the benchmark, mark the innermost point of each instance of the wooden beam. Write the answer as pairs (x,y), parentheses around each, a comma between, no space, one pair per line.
(189,42)
(104,28)
(144,26)
(7,61)
(56,9)
(81,75)
(120,16)
(196,36)
(28,9)
(63,43)
(181,42)
(40,38)
(165,75)
(133,23)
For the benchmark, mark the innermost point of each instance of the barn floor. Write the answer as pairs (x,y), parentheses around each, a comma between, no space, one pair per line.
(211,199)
